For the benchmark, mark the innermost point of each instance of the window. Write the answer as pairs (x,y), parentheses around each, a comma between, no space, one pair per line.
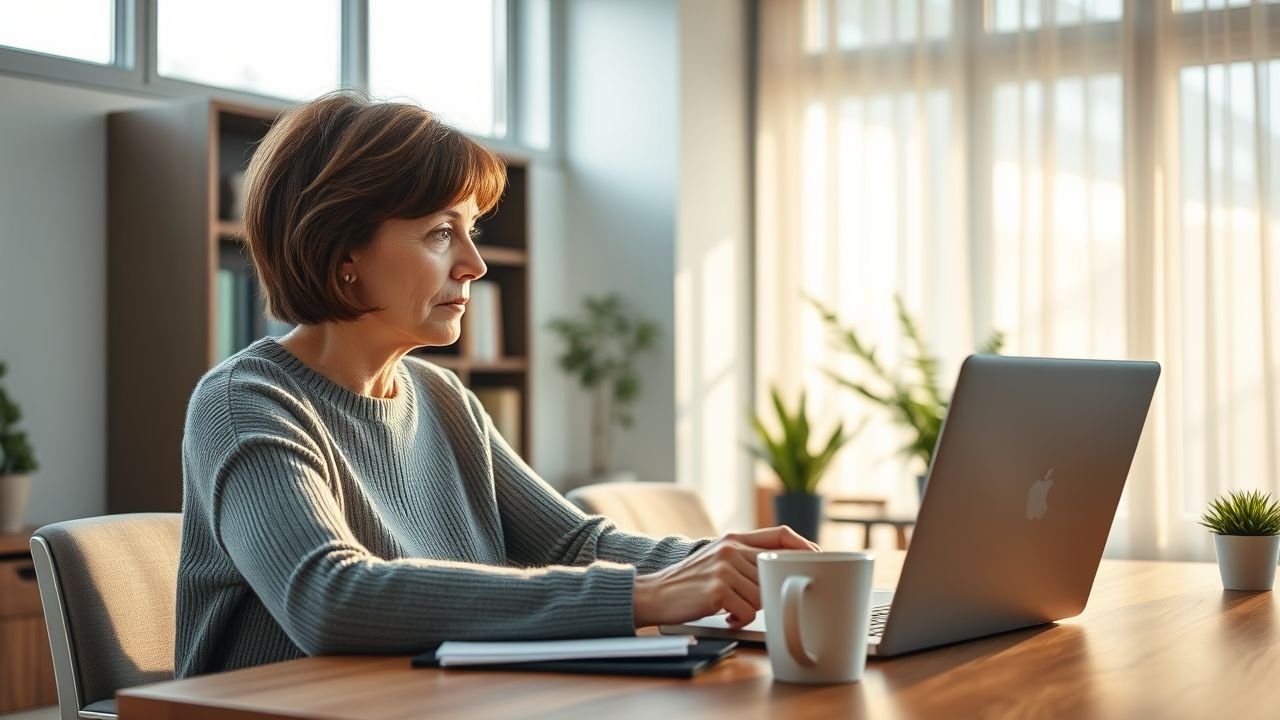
(447,56)
(1091,184)
(484,66)
(286,48)
(77,29)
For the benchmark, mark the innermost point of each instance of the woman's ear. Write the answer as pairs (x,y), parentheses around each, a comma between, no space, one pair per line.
(347,271)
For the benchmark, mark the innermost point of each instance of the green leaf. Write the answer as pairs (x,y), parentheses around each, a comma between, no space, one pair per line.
(788,453)
(1243,513)
(915,399)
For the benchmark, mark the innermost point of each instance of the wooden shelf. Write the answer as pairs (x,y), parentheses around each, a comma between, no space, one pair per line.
(457,362)
(496,255)
(231,229)
(453,362)
(504,365)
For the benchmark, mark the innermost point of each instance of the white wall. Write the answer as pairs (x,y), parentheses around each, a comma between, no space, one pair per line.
(53,238)
(656,208)
(620,157)
(713,253)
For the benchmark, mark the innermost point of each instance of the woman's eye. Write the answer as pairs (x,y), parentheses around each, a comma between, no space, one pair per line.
(476,233)
(444,234)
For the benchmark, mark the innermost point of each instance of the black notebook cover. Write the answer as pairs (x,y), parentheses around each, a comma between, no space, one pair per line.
(701,656)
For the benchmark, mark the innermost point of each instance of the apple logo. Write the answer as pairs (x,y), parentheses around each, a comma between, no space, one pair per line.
(1038,497)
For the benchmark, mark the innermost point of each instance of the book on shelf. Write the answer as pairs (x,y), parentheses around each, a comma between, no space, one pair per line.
(503,406)
(226,321)
(484,321)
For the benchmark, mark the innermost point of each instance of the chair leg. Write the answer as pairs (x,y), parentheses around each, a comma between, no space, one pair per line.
(902,537)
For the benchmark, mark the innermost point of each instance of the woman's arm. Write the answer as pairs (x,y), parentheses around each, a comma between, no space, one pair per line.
(275,514)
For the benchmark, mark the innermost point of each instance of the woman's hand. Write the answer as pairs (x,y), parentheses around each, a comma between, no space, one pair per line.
(720,575)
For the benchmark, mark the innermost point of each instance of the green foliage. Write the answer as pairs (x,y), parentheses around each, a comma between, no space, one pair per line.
(916,399)
(799,468)
(1243,513)
(600,350)
(16,456)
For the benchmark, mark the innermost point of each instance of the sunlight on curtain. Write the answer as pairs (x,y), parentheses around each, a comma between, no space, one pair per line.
(1094,178)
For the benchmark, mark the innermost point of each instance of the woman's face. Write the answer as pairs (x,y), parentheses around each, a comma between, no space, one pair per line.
(420,271)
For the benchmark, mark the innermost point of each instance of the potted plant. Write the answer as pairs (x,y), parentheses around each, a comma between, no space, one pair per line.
(799,468)
(17,462)
(1246,536)
(600,350)
(915,398)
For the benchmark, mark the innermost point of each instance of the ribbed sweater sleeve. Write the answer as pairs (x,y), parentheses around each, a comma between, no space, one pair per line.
(542,528)
(317,521)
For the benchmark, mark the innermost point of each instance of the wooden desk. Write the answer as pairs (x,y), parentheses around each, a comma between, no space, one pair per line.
(1158,640)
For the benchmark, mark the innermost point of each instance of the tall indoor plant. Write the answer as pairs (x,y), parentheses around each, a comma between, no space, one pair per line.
(600,350)
(913,394)
(799,466)
(17,462)
(1246,537)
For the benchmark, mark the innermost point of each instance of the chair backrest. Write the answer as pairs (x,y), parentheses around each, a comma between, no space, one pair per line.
(651,508)
(109,587)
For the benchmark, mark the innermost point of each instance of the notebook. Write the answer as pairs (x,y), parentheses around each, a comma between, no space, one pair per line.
(701,656)
(455,653)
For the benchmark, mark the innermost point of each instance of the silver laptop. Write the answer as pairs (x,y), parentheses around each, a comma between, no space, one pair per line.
(1022,490)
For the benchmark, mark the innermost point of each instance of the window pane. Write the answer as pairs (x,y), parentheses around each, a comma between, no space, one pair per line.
(1014,15)
(440,54)
(1058,215)
(284,48)
(535,74)
(872,23)
(1198,5)
(47,27)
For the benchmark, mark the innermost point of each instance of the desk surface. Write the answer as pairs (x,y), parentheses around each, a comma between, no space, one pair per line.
(1157,640)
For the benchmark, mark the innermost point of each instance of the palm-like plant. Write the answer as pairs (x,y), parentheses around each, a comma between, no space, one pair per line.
(917,402)
(799,468)
(1243,513)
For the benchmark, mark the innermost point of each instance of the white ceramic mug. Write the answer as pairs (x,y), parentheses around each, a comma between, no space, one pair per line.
(816,609)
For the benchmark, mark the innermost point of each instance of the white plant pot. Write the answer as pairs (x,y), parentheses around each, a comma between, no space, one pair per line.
(14,491)
(1247,562)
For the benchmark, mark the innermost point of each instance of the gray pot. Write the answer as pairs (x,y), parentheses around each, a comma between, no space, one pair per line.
(799,511)
(1247,562)
(14,491)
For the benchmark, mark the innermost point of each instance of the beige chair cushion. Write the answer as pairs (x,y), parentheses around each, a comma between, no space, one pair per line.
(656,509)
(119,578)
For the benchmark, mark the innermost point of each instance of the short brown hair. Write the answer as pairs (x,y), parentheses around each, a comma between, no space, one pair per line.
(329,173)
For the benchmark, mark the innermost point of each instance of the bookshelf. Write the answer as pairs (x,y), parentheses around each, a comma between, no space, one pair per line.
(181,294)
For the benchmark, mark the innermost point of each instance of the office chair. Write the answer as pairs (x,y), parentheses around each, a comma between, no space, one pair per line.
(657,509)
(108,586)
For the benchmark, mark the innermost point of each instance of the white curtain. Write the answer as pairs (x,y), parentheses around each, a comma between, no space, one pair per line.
(1093,178)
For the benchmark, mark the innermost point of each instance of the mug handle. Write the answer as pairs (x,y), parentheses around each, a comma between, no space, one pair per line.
(792,591)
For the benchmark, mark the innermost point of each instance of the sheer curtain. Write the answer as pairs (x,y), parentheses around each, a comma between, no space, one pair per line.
(1093,178)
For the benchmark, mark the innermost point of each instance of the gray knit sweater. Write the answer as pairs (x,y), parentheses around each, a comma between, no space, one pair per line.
(320,521)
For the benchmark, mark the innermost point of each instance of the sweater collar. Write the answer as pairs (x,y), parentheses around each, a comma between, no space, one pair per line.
(342,398)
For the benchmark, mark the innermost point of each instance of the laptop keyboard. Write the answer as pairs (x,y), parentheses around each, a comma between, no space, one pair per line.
(879,616)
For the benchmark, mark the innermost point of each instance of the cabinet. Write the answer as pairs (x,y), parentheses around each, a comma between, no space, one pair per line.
(26,665)
(181,295)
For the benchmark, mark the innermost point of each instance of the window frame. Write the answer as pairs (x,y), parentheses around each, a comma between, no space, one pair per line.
(134,67)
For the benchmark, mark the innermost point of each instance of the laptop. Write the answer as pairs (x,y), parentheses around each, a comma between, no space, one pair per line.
(1022,490)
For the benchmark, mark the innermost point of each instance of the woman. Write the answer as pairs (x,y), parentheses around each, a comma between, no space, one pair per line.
(342,496)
